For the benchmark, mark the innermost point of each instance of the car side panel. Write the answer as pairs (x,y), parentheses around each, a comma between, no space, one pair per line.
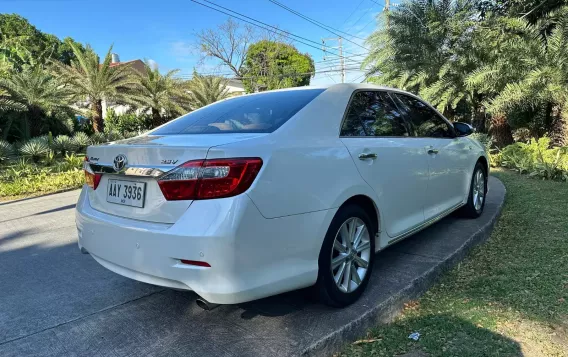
(398,175)
(297,176)
(449,174)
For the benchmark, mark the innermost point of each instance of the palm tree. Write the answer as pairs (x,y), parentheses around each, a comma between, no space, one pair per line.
(7,103)
(429,47)
(161,93)
(542,74)
(205,90)
(88,79)
(36,92)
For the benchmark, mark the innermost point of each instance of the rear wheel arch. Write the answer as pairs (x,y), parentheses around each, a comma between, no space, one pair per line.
(368,205)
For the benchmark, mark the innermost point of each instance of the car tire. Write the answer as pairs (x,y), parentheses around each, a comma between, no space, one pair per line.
(354,258)
(477,192)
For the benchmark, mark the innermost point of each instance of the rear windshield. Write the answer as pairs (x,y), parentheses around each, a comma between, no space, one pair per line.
(259,113)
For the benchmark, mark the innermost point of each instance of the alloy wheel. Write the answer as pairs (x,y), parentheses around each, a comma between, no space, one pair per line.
(350,255)
(478,189)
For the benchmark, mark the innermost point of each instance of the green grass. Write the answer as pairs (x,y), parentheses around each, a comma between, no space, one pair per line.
(508,298)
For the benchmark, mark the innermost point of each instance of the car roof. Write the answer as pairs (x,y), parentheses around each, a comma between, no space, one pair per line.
(353,86)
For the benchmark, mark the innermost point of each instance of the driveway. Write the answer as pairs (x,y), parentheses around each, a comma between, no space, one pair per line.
(56,301)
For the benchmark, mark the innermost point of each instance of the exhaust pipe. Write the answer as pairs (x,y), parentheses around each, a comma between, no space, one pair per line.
(205,305)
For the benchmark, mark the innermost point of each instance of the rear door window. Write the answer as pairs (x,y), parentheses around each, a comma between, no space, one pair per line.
(259,113)
(425,121)
(372,113)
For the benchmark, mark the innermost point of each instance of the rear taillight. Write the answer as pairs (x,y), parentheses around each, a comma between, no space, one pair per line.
(215,178)
(91,179)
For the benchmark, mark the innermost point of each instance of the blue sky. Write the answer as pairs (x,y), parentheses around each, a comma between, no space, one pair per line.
(164,31)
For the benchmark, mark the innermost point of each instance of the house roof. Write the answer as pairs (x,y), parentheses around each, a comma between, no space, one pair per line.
(114,64)
(137,64)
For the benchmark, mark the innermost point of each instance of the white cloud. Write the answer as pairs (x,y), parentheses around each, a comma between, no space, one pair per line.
(183,49)
(153,64)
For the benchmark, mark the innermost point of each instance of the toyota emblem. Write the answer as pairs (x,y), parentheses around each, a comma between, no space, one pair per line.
(120,162)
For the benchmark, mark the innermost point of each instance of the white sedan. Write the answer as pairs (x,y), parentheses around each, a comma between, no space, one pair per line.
(270,192)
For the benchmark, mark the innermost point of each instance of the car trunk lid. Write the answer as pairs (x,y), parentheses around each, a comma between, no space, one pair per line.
(143,159)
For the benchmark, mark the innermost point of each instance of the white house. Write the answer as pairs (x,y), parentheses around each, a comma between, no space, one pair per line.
(235,87)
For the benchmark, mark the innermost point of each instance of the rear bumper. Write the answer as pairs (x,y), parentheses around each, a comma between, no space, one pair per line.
(250,256)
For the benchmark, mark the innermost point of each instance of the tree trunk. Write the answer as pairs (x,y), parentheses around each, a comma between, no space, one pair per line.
(500,131)
(479,119)
(156,117)
(34,121)
(98,122)
(26,127)
(558,131)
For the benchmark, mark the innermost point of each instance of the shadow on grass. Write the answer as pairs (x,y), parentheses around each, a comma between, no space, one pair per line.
(440,335)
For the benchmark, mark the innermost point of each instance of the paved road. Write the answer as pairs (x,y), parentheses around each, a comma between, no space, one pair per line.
(55,301)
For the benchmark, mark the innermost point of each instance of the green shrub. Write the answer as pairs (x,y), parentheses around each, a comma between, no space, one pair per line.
(49,158)
(130,134)
(98,138)
(74,161)
(484,139)
(35,148)
(487,142)
(63,144)
(536,159)
(124,123)
(42,182)
(21,168)
(6,151)
(81,141)
(114,136)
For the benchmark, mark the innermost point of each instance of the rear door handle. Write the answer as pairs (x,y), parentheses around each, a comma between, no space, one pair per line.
(367,155)
(432,151)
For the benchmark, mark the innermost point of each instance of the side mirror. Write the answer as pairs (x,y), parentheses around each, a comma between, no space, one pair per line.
(463,129)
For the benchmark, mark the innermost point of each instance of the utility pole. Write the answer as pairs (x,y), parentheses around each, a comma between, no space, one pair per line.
(341,58)
(387,7)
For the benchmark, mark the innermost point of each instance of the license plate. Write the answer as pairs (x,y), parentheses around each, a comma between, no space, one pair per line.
(128,193)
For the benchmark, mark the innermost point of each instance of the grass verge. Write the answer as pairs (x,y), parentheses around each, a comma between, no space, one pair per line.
(41,184)
(508,298)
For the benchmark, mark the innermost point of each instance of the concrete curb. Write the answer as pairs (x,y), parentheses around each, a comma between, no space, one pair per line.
(387,310)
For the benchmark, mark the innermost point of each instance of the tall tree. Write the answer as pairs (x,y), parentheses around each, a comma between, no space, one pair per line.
(273,65)
(37,93)
(161,93)
(532,72)
(90,80)
(22,38)
(228,43)
(429,48)
(205,90)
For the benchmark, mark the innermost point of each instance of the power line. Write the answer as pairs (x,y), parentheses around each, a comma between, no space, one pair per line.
(356,79)
(338,64)
(359,19)
(345,57)
(298,74)
(303,74)
(319,24)
(383,5)
(325,66)
(374,19)
(279,31)
(352,12)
